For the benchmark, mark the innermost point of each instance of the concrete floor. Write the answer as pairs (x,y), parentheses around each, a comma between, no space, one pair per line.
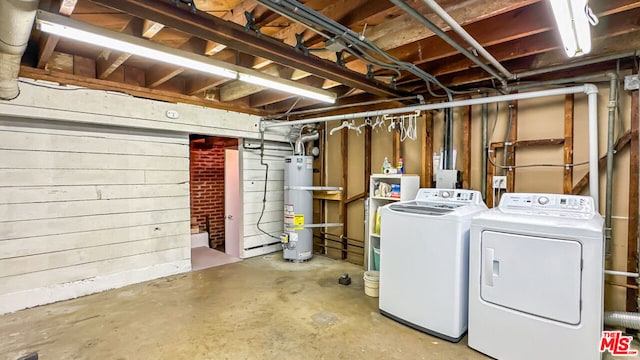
(261,308)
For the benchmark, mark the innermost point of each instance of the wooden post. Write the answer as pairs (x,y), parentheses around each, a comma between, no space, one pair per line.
(344,142)
(466,148)
(426,177)
(367,158)
(632,232)
(490,172)
(567,185)
(396,148)
(511,152)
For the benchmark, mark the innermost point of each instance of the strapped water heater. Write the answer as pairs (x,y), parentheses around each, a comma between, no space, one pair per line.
(297,238)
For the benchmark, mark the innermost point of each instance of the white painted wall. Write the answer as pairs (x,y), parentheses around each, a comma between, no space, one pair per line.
(94,190)
(255,242)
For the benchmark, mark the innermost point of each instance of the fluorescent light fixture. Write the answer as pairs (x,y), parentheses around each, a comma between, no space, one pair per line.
(299,89)
(79,31)
(573,18)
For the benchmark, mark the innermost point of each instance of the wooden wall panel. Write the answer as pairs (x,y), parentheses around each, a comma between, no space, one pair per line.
(252,174)
(76,204)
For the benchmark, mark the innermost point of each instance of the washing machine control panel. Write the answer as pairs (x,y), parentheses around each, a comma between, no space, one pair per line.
(449,195)
(557,204)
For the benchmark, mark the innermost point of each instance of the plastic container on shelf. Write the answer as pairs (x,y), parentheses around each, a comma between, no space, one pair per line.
(376,258)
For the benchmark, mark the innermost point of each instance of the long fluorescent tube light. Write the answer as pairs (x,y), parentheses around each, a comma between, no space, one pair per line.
(69,28)
(573,17)
(277,85)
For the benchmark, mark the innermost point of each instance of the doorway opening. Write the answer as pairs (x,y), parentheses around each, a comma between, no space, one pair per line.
(207,167)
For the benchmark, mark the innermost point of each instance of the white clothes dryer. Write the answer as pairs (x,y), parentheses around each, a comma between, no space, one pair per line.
(536,278)
(424,251)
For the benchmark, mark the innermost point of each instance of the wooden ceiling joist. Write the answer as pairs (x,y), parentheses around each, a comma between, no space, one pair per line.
(215,29)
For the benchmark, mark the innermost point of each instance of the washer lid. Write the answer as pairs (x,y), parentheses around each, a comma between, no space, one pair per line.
(424,207)
(534,275)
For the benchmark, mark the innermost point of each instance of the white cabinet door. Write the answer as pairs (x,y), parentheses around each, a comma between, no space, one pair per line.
(535,275)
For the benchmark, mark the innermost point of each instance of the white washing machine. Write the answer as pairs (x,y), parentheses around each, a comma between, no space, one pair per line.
(424,252)
(536,278)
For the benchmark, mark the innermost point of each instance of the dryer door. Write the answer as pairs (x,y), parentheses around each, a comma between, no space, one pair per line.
(535,275)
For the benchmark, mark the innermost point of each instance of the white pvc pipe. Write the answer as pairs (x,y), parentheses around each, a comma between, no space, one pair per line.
(621,273)
(589,89)
(594,171)
(466,36)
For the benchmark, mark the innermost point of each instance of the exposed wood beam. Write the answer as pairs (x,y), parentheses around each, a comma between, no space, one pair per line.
(67,7)
(47,46)
(160,73)
(151,28)
(109,61)
(130,89)
(426,178)
(215,29)
(235,15)
(466,147)
(567,183)
(527,143)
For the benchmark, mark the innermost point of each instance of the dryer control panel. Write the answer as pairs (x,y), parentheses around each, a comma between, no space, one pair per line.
(459,196)
(556,204)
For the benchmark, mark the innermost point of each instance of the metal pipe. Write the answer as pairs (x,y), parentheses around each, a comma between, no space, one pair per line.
(436,30)
(337,107)
(612,106)
(298,150)
(447,139)
(440,105)
(594,178)
(589,89)
(577,79)
(466,36)
(485,134)
(621,273)
(628,320)
(574,64)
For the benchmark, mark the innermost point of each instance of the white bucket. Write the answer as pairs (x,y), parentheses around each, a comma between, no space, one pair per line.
(372,283)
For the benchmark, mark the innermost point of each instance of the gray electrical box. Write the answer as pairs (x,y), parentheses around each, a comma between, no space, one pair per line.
(631,82)
(446,179)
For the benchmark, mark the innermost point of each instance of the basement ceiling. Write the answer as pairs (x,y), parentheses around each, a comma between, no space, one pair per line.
(520,34)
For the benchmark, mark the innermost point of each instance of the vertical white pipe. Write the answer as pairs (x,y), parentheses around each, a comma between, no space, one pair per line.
(594,184)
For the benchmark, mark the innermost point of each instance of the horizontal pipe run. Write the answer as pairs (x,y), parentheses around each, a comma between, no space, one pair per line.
(574,64)
(622,273)
(434,106)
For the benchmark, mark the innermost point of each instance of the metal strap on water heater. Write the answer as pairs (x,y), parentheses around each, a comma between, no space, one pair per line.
(323,188)
(322,225)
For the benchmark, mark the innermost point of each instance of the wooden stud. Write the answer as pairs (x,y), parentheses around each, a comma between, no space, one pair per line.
(490,172)
(109,61)
(48,44)
(511,152)
(396,148)
(620,144)
(466,147)
(151,28)
(344,143)
(567,184)
(367,158)
(426,179)
(632,232)
(67,7)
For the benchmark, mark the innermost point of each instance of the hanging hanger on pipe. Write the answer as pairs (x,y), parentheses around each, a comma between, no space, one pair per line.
(346,124)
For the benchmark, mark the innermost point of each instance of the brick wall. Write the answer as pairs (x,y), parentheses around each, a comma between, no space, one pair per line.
(207,186)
